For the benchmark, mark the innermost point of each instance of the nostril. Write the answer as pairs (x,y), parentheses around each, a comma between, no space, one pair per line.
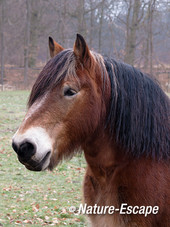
(26,150)
(15,147)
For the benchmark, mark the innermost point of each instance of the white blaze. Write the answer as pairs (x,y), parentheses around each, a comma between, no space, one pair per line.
(36,135)
(34,108)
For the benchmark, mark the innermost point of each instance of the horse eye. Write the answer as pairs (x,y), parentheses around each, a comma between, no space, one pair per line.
(69,92)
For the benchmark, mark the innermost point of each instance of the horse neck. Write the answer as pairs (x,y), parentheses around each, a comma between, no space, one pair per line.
(104,157)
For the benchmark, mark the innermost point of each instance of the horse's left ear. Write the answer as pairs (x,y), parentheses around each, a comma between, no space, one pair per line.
(81,50)
(54,47)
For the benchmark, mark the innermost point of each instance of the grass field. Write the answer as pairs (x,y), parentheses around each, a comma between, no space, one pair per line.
(38,198)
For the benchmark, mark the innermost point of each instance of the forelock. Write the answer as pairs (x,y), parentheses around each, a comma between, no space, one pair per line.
(56,69)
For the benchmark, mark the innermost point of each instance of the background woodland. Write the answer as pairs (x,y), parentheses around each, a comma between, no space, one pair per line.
(134,31)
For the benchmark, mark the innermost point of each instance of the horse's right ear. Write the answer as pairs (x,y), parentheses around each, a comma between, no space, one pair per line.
(82,51)
(54,47)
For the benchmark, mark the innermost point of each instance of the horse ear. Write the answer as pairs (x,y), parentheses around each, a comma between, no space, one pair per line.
(81,50)
(54,47)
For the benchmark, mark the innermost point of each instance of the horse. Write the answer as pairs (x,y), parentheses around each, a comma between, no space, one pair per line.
(118,117)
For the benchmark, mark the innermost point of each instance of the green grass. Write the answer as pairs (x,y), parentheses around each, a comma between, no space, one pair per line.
(38,198)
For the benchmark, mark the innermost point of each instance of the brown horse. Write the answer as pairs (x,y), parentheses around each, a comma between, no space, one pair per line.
(119,117)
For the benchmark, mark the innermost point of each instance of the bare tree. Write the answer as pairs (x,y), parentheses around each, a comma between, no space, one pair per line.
(150,33)
(34,28)
(135,31)
(80,11)
(2,41)
(132,25)
(101,17)
(62,25)
(147,52)
(91,23)
(27,42)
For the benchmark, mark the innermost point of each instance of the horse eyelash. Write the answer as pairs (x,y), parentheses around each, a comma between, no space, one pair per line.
(69,92)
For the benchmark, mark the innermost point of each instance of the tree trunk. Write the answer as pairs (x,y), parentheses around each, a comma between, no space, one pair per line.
(34,22)
(131,34)
(62,21)
(27,43)
(148,52)
(81,19)
(152,8)
(100,25)
(2,42)
(91,24)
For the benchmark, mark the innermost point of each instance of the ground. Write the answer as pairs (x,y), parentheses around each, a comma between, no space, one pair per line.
(38,198)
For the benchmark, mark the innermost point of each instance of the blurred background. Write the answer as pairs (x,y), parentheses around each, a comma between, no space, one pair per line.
(134,31)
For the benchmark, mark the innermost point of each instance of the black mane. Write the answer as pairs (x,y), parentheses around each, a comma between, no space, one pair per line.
(139,115)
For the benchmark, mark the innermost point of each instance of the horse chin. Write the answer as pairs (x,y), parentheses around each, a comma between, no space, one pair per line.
(52,164)
(35,165)
(38,168)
